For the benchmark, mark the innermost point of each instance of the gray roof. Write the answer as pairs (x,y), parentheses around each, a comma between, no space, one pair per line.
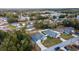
(78,17)
(50,33)
(3,18)
(37,36)
(68,29)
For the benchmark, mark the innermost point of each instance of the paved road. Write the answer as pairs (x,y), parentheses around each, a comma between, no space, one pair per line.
(63,44)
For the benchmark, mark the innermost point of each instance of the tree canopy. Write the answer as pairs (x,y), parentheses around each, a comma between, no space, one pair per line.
(15,41)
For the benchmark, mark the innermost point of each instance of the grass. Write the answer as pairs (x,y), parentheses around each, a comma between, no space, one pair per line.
(50,42)
(66,36)
(12,27)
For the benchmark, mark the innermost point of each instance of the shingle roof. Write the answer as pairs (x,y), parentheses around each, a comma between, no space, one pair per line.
(3,18)
(68,29)
(37,36)
(50,33)
(77,17)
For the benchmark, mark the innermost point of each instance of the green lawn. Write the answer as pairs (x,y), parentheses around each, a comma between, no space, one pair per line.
(12,27)
(51,41)
(66,36)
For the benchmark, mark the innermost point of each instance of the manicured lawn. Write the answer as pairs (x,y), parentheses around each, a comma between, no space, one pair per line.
(12,27)
(66,36)
(51,41)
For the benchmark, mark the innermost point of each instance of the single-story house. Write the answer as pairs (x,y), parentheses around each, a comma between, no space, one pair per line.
(4,28)
(16,24)
(38,36)
(69,30)
(3,18)
(61,30)
(77,17)
(30,26)
(3,21)
(23,18)
(51,33)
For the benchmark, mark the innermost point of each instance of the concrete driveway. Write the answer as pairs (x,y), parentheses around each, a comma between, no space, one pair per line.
(41,45)
(74,35)
(62,39)
(63,48)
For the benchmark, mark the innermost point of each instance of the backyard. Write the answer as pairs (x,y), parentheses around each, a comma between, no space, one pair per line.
(51,41)
(66,36)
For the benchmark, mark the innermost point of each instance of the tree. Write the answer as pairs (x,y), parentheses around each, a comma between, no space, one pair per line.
(54,17)
(62,16)
(71,23)
(42,25)
(12,20)
(16,41)
(67,23)
(42,17)
(3,35)
(11,15)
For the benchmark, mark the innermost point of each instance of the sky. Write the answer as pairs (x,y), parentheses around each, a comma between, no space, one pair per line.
(39,4)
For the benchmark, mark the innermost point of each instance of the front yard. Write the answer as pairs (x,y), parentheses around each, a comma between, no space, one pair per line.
(11,27)
(51,41)
(66,36)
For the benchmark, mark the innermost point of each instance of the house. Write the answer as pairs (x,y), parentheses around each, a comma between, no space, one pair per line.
(30,26)
(3,20)
(77,17)
(4,28)
(38,36)
(16,24)
(69,30)
(61,30)
(23,18)
(51,33)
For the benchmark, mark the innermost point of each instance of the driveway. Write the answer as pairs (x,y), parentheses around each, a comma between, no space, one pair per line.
(41,45)
(74,35)
(63,48)
(62,39)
